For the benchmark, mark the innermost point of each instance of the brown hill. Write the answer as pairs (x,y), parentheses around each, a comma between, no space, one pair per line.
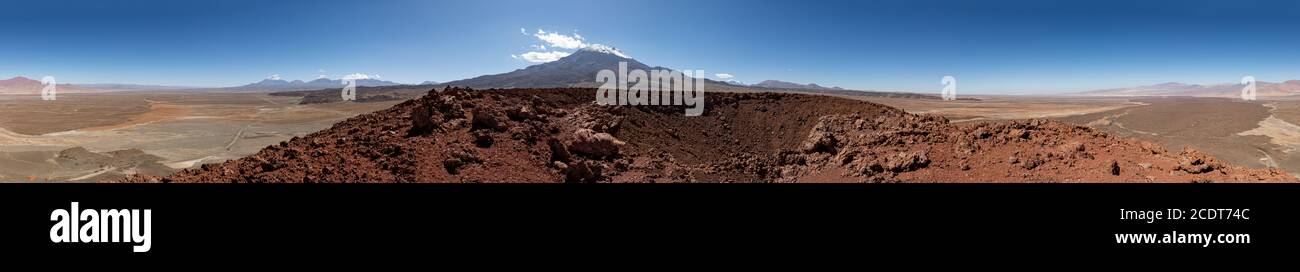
(22,85)
(558,135)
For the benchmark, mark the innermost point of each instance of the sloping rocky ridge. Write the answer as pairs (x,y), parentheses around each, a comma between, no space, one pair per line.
(561,135)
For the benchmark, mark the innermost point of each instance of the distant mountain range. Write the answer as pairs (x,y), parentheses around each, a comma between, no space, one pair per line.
(777,84)
(297,85)
(1262,89)
(114,87)
(23,85)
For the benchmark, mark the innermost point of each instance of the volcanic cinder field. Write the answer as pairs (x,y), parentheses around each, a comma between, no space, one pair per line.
(95,137)
(561,135)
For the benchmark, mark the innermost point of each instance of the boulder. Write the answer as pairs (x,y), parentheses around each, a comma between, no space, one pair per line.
(593,144)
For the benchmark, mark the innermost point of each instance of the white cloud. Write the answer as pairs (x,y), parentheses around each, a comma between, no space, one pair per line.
(274,77)
(560,40)
(358,76)
(724,76)
(542,56)
(321,76)
(523,31)
(554,46)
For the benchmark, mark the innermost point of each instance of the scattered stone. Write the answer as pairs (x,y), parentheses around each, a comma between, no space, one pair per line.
(559,152)
(1195,166)
(422,122)
(582,172)
(819,142)
(1031,163)
(1071,149)
(483,139)
(982,133)
(1195,162)
(1114,167)
(593,144)
(483,118)
(1019,134)
(907,161)
(452,165)
(521,113)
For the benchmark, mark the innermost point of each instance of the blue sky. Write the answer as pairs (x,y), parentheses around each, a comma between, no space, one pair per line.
(990,46)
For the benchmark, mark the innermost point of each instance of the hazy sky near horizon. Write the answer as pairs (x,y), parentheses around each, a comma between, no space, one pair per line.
(996,47)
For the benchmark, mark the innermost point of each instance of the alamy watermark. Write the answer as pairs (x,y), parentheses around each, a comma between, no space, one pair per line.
(49,88)
(949,91)
(656,87)
(349,92)
(1248,93)
(76,225)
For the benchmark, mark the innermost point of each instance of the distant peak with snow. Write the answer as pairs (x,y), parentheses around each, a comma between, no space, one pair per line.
(600,48)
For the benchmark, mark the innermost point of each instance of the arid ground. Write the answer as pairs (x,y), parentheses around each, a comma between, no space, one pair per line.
(93,137)
(110,136)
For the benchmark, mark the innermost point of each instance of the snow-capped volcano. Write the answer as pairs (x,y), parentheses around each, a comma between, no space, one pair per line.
(577,69)
(600,48)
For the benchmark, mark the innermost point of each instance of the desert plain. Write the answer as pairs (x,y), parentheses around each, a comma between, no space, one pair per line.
(103,136)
